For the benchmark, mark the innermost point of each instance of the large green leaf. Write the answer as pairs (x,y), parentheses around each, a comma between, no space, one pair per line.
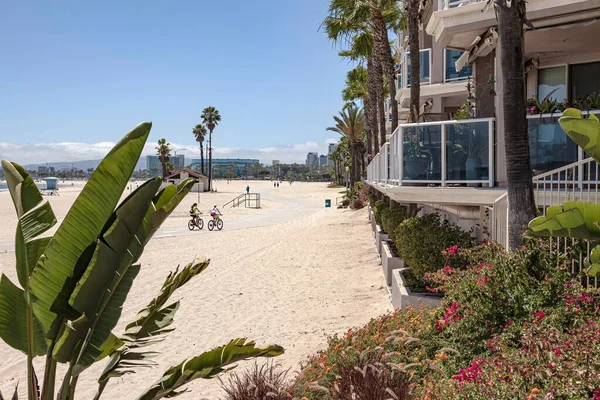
(13,319)
(68,253)
(101,277)
(577,220)
(574,219)
(206,365)
(149,326)
(584,132)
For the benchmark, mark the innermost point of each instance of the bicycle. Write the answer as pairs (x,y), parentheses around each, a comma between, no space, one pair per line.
(218,223)
(195,223)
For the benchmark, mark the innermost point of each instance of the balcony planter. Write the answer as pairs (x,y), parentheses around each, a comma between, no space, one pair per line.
(403,297)
(473,169)
(389,262)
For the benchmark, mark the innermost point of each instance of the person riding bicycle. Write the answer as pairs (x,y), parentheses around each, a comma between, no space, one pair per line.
(215,213)
(195,213)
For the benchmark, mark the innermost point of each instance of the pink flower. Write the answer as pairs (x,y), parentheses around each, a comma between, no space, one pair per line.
(557,351)
(539,315)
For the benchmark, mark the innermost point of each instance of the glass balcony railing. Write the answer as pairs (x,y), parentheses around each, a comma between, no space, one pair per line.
(446,4)
(425,67)
(446,152)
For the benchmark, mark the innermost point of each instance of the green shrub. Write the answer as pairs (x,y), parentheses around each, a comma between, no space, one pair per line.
(377,210)
(372,198)
(391,218)
(421,241)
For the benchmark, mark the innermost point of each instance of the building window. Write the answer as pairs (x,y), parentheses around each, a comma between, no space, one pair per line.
(425,67)
(450,68)
(552,82)
(585,80)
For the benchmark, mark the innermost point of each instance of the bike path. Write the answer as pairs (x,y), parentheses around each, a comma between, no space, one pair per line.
(291,210)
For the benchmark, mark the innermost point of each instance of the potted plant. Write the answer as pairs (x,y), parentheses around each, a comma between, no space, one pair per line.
(474,146)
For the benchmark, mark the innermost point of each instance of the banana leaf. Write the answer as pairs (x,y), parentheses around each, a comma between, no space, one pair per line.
(34,219)
(149,326)
(584,132)
(102,277)
(207,365)
(68,253)
(577,220)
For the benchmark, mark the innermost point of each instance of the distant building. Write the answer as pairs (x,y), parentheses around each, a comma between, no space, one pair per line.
(331,148)
(237,163)
(276,163)
(153,163)
(178,161)
(43,170)
(323,160)
(180,175)
(312,159)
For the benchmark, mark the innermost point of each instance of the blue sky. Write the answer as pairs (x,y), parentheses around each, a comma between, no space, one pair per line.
(77,74)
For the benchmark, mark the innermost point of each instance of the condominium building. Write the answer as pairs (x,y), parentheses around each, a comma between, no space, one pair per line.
(458,167)
(153,163)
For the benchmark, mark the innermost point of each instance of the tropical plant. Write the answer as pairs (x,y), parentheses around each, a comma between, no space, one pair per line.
(73,284)
(414,10)
(264,381)
(511,15)
(593,101)
(351,124)
(199,132)
(163,150)
(210,118)
(578,220)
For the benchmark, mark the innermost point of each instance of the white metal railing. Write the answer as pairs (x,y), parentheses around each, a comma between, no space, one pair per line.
(441,153)
(500,220)
(574,182)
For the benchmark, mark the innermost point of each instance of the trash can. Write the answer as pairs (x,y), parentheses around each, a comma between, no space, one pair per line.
(327,203)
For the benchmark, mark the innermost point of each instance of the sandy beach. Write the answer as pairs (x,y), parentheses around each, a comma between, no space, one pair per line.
(289,273)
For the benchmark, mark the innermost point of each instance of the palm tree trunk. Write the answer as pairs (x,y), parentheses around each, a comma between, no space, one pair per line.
(201,158)
(210,161)
(163,163)
(385,53)
(368,126)
(353,164)
(415,58)
(518,166)
(372,105)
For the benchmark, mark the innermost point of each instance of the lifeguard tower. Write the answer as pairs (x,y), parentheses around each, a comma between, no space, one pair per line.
(51,187)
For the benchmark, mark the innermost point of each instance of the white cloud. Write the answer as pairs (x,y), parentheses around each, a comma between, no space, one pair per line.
(70,151)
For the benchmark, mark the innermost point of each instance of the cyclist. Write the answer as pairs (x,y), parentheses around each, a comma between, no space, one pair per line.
(215,213)
(195,213)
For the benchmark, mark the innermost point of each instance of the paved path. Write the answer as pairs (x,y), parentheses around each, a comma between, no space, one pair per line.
(292,209)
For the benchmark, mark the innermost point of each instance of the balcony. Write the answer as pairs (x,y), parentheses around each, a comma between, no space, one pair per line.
(549,146)
(447,4)
(425,67)
(450,72)
(437,153)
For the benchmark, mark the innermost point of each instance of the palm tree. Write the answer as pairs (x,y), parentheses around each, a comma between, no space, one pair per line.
(357,88)
(414,15)
(163,150)
(351,124)
(511,18)
(199,132)
(363,25)
(210,118)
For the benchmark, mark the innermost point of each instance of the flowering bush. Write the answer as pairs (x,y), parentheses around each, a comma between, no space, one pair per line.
(548,363)
(421,242)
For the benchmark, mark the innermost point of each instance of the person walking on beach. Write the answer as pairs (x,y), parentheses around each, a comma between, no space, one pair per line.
(248,189)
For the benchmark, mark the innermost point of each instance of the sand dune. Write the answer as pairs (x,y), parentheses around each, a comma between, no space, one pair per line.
(291,283)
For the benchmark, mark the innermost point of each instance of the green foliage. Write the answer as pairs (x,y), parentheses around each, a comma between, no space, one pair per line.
(378,209)
(420,241)
(75,282)
(510,327)
(391,218)
(259,382)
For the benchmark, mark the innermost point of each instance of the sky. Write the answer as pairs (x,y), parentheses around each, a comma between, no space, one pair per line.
(75,76)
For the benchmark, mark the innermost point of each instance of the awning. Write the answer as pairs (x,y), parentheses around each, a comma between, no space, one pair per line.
(478,48)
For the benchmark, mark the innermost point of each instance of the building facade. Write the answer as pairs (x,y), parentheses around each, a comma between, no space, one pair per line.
(312,159)
(323,160)
(153,163)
